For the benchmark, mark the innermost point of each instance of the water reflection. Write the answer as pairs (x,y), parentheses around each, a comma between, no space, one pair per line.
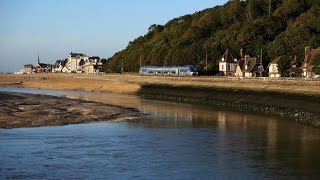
(212,139)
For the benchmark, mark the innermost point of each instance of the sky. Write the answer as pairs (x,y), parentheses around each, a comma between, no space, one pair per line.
(54,28)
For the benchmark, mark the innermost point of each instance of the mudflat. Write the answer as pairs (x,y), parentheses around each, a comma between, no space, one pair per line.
(18,110)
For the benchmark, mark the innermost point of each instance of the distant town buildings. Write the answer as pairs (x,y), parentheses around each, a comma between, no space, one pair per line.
(230,64)
(75,63)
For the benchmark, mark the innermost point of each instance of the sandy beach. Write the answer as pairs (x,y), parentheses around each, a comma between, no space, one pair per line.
(19,110)
(131,83)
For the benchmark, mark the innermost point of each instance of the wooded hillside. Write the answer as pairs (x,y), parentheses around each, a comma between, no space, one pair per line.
(278,27)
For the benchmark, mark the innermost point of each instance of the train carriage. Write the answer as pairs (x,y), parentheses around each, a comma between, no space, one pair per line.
(169,70)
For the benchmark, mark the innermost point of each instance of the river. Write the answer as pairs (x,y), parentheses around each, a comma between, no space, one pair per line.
(174,141)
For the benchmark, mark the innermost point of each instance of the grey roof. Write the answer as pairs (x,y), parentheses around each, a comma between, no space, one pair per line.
(76,54)
(250,62)
(229,56)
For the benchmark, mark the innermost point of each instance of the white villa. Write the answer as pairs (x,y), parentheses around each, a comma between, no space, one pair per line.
(228,63)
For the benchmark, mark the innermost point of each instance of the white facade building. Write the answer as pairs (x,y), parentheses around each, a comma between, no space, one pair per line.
(75,62)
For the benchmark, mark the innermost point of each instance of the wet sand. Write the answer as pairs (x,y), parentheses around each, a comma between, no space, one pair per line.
(19,110)
(131,83)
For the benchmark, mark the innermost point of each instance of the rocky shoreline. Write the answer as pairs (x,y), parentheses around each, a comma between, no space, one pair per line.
(20,110)
(302,108)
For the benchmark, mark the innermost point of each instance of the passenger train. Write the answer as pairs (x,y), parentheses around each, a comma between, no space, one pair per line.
(169,70)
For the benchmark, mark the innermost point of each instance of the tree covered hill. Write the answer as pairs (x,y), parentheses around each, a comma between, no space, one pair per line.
(277,27)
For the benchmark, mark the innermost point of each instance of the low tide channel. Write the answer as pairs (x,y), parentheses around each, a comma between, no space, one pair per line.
(175,141)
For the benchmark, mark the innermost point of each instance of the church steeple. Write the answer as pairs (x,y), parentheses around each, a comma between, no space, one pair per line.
(38,58)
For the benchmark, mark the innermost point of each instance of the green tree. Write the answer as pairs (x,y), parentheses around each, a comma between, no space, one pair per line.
(279,27)
(284,65)
(316,65)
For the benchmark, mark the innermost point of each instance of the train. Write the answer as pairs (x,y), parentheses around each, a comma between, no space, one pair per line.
(188,70)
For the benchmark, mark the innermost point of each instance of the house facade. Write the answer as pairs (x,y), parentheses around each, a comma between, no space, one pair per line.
(60,66)
(228,63)
(75,62)
(43,68)
(293,71)
(307,65)
(248,67)
(28,69)
(93,65)
(273,69)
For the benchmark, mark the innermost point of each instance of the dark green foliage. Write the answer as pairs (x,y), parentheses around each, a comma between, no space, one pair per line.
(284,64)
(277,27)
(316,65)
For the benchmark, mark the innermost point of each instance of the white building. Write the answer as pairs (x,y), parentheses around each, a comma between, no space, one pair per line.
(75,62)
(92,65)
(248,67)
(273,69)
(228,63)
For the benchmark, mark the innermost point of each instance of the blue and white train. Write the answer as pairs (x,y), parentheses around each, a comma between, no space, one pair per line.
(169,70)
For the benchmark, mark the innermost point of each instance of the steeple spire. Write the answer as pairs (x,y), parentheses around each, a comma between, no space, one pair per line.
(38,58)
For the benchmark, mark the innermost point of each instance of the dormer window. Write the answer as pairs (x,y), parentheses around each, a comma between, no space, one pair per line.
(235,60)
(222,59)
(246,67)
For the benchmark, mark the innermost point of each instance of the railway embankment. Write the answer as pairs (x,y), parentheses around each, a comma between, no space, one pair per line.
(303,108)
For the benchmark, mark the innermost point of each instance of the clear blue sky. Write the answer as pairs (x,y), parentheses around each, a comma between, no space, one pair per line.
(54,28)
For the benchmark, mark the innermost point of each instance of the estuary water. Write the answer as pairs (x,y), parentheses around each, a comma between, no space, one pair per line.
(174,141)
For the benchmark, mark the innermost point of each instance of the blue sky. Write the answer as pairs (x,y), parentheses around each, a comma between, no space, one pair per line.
(54,28)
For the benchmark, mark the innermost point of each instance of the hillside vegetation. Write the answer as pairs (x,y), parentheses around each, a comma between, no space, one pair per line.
(277,27)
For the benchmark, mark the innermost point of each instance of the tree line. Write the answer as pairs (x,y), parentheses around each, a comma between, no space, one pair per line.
(277,27)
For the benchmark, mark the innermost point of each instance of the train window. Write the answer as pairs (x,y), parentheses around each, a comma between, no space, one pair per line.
(151,71)
(173,71)
(183,70)
(144,70)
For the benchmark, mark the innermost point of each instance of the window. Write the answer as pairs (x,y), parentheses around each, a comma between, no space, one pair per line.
(222,67)
(144,70)
(183,70)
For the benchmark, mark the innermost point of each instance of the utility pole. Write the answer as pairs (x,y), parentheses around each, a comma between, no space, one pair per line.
(206,61)
(261,66)
(122,65)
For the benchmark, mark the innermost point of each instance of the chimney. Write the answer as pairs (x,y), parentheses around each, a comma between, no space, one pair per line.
(306,52)
(246,61)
